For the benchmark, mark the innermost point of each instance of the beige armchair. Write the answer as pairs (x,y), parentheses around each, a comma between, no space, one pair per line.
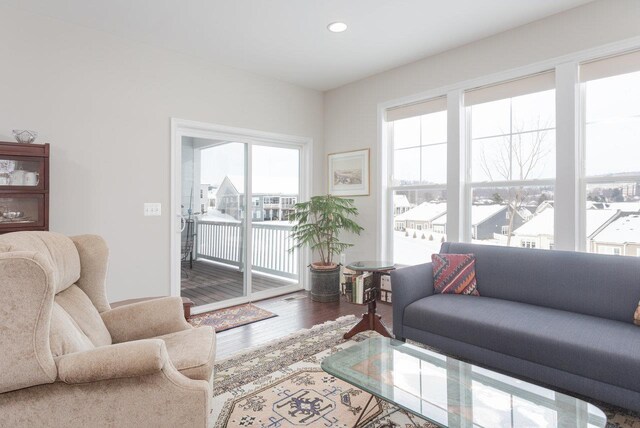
(68,360)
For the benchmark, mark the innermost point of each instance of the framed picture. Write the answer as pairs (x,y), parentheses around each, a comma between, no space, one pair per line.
(349,173)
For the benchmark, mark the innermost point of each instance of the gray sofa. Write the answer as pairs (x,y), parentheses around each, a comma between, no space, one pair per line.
(558,317)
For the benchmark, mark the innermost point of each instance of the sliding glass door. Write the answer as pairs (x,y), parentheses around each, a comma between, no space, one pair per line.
(235,201)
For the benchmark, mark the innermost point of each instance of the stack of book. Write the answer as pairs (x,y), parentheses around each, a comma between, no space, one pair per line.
(385,288)
(357,288)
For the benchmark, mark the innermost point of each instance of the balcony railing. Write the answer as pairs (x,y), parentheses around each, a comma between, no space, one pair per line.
(222,242)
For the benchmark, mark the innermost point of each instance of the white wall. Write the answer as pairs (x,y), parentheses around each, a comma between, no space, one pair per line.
(351,111)
(105,105)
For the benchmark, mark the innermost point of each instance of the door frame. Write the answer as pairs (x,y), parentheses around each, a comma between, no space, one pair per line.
(189,128)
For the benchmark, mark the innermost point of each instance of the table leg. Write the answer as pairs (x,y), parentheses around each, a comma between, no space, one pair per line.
(369,321)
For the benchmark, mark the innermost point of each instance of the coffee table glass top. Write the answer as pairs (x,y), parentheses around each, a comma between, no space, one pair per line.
(371,265)
(451,393)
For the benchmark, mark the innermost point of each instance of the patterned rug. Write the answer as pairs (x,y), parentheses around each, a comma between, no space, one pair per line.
(277,384)
(236,316)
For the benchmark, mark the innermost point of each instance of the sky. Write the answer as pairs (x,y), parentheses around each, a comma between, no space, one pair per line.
(274,164)
(612,134)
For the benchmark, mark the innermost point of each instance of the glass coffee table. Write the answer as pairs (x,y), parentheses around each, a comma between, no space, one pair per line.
(451,393)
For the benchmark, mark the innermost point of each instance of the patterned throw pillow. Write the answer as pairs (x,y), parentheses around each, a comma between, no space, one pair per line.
(636,316)
(454,274)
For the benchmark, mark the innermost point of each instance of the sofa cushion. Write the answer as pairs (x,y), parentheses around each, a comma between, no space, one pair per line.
(454,274)
(58,249)
(65,337)
(78,305)
(192,351)
(596,348)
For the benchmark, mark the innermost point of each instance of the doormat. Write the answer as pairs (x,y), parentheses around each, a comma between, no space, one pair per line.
(228,318)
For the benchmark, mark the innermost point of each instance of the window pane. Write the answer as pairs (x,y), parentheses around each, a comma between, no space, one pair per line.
(514,138)
(434,164)
(513,216)
(406,133)
(491,119)
(613,125)
(434,128)
(419,225)
(534,111)
(606,142)
(406,166)
(613,218)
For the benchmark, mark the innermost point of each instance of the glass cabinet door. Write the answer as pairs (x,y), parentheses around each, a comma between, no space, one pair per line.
(17,211)
(21,173)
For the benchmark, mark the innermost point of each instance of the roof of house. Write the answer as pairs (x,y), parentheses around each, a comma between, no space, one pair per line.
(426,211)
(479,214)
(401,201)
(625,207)
(543,222)
(625,229)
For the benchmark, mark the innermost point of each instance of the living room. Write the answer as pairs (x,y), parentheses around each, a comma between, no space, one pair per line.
(199,200)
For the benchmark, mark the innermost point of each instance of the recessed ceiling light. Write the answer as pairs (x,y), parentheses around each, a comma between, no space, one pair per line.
(337,27)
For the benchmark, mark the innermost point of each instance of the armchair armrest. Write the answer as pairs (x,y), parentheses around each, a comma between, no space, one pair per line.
(409,284)
(147,319)
(131,359)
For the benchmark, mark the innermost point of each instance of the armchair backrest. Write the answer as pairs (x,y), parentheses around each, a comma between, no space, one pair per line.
(52,290)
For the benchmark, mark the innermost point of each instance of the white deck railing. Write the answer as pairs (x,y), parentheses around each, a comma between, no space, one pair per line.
(222,242)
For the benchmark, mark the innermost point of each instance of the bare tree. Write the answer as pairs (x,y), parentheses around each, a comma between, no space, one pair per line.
(517,157)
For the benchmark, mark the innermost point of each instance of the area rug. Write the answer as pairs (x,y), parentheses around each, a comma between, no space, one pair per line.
(228,318)
(282,385)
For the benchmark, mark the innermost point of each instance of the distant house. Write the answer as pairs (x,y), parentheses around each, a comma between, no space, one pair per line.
(420,217)
(486,221)
(400,204)
(539,231)
(619,237)
(266,203)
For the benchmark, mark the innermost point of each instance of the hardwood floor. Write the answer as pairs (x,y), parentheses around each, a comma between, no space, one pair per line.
(211,282)
(295,311)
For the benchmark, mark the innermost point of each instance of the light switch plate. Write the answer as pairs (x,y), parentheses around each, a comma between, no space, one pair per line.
(152,209)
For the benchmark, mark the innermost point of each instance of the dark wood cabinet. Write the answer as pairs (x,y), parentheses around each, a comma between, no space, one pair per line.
(24,187)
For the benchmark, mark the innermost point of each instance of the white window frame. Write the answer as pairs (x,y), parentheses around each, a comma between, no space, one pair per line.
(569,183)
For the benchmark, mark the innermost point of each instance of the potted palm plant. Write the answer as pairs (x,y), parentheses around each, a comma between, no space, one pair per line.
(318,223)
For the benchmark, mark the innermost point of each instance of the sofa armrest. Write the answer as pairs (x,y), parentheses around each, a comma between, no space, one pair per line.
(409,284)
(131,359)
(147,319)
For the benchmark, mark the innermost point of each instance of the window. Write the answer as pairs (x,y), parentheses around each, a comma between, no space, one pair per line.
(418,140)
(511,140)
(502,181)
(527,244)
(611,104)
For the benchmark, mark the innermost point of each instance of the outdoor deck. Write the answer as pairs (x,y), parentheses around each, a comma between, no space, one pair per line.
(210,282)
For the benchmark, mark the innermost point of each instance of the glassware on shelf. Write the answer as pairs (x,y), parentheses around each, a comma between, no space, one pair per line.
(25,136)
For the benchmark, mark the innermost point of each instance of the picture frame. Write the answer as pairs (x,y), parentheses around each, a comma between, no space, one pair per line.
(348,173)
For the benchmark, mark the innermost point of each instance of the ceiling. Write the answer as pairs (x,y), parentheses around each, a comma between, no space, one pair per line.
(288,39)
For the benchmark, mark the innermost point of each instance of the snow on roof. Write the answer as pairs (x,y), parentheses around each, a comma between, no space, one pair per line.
(401,201)
(625,207)
(479,213)
(597,218)
(426,211)
(266,185)
(622,230)
(215,215)
(542,223)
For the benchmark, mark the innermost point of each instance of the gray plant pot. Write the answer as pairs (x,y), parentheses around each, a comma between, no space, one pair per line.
(325,284)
